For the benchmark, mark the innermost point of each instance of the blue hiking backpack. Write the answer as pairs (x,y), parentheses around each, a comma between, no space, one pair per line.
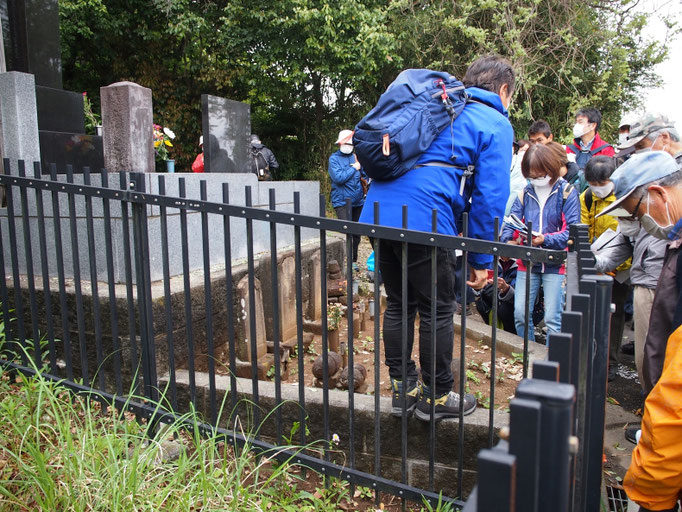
(410,114)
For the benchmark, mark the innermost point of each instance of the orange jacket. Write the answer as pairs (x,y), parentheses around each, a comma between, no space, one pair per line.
(654,479)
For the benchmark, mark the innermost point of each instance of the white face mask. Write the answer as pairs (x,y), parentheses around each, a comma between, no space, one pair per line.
(580,129)
(346,149)
(654,228)
(622,138)
(629,227)
(602,191)
(541,182)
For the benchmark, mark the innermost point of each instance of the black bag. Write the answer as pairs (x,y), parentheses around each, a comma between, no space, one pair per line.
(260,165)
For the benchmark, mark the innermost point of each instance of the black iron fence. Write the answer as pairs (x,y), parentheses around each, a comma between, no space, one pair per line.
(552,456)
(79,264)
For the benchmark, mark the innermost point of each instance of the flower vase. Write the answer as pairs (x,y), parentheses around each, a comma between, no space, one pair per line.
(170,165)
(98,130)
(333,340)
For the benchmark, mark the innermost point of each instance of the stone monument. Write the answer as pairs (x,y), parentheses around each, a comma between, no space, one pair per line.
(19,119)
(226,126)
(128,127)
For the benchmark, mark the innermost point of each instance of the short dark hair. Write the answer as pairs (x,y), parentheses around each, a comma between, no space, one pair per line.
(550,157)
(490,73)
(599,168)
(592,114)
(540,126)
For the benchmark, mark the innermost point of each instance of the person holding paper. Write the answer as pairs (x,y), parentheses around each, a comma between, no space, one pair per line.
(598,196)
(551,204)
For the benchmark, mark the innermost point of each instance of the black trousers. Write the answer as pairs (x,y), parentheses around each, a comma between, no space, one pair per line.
(419,300)
(342,213)
(619,295)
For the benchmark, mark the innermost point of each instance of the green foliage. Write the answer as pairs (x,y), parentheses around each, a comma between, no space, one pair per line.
(309,68)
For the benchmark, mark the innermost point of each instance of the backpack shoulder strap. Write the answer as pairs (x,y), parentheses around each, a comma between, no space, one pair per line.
(588,199)
(600,148)
(575,148)
(567,192)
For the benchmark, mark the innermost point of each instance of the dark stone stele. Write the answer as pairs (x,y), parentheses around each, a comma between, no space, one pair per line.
(226,127)
(35,42)
(73,149)
(59,110)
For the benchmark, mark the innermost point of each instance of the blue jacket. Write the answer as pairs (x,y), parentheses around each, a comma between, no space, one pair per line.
(345,180)
(482,137)
(557,214)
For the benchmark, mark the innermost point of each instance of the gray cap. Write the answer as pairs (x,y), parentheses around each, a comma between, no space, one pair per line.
(645,125)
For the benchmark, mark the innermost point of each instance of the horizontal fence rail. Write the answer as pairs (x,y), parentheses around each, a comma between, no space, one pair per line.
(138,299)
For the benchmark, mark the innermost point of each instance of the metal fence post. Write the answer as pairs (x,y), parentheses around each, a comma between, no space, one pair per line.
(524,443)
(557,401)
(143,281)
(497,481)
(596,412)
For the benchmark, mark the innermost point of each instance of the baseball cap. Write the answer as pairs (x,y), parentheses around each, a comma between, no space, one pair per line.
(645,125)
(640,169)
(345,137)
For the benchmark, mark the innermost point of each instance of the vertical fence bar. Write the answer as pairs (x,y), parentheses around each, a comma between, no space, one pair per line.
(168,311)
(113,306)
(493,340)
(187,292)
(299,323)
(94,286)
(432,342)
(130,297)
(557,401)
(559,350)
(276,319)
(4,296)
(252,313)
(597,412)
(144,292)
(325,341)
(61,280)
(75,247)
(229,298)
(350,312)
(30,275)
(14,256)
(462,360)
(524,444)
(529,307)
(404,333)
(546,370)
(47,293)
(209,307)
(497,481)
(377,354)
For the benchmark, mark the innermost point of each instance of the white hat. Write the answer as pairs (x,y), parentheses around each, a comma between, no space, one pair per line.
(345,137)
(201,140)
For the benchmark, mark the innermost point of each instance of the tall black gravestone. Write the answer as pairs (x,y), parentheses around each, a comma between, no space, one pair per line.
(226,126)
(34,40)
(33,46)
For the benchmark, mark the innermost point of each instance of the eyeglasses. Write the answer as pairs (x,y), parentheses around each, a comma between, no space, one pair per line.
(634,217)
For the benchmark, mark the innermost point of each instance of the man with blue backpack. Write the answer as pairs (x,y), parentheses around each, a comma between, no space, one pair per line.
(462,166)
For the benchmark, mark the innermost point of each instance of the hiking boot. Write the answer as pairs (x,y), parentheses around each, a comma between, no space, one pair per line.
(414,393)
(628,348)
(447,406)
(631,433)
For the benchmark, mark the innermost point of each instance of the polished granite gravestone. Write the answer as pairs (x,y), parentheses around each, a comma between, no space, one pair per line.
(59,110)
(62,131)
(34,39)
(226,128)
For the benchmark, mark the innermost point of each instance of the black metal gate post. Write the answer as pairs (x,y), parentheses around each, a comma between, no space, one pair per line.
(557,401)
(143,280)
(596,414)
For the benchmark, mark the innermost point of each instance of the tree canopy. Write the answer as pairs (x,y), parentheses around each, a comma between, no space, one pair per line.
(310,68)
